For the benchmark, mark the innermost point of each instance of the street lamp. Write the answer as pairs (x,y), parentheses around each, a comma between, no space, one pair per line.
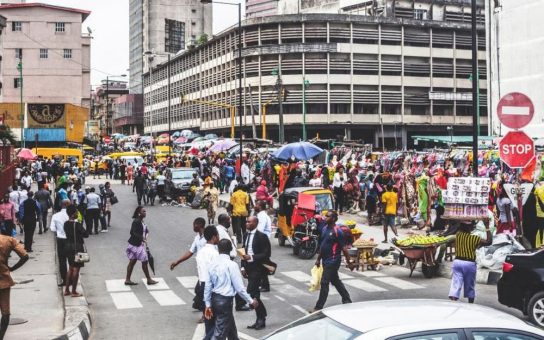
(239,65)
(151,54)
(108,98)
(20,69)
(305,86)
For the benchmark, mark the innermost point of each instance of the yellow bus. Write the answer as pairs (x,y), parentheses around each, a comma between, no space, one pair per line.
(64,154)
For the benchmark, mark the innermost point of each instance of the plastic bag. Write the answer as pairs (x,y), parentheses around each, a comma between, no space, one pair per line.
(315,281)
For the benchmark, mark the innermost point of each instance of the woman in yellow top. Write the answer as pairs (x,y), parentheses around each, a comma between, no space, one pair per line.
(391,200)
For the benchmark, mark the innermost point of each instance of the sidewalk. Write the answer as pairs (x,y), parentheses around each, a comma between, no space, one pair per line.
(484,276)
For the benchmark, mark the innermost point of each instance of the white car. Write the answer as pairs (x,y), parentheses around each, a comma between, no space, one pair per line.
(408,320)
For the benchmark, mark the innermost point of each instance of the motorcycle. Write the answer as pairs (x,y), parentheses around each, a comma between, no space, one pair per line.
(306,237)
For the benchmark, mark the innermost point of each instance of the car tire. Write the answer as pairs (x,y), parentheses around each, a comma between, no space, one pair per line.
(535,309)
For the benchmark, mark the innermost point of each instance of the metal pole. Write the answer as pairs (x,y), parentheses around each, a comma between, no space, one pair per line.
(281,136)
(383,135)
(21,108)
(240,108)
(169,112)
(253,128)
(303,108)
(107,99)
(475,118)
(151,112)
(264,121)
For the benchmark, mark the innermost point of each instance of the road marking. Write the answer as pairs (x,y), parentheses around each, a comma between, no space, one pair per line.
(275,281)
(300,309)
(244,336)
(297,275)
(363,285)
(401,284)
(117,286)
(188,282)
(200,332)
(291,291)
(159,286)
(279,298)
(125,300)
(371,273)
(166,298)
(343,276)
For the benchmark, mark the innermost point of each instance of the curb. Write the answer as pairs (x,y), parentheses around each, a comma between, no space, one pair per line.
(77,318)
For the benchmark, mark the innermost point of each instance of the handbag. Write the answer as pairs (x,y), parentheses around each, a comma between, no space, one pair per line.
(114,200)
(80,257)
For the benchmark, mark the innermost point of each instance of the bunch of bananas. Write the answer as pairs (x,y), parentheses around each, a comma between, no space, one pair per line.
(350,223)
(422,240)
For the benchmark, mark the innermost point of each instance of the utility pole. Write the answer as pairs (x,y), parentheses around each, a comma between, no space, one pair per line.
(169,112)
(305,85)
(22,111)
(475,117)
(279,89)
(253,128)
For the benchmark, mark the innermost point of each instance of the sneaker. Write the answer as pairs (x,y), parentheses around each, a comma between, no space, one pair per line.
(104,230)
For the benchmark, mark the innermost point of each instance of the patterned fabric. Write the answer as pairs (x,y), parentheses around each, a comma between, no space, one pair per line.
(137,253)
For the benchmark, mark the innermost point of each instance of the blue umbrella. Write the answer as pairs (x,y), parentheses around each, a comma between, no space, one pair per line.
(301,151)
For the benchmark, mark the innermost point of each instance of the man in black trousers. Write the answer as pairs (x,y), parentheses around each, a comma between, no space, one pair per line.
(31,215)
(257,248)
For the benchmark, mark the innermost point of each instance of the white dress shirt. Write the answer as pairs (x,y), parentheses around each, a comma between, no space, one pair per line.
(224,235)
(224,278)
(337,182)
(197,244)
(57,223)
(249,244)
(265,223)
(204,258)
(246,174)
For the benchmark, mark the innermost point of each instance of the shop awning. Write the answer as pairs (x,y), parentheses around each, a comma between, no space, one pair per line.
(451,139)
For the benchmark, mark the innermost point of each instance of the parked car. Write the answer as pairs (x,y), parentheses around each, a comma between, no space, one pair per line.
(522,284)
(408,319)
(178,181)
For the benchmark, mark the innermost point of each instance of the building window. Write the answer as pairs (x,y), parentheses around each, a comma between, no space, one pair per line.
(174,40)
(18,53)
(420,14)
(44,53)
(16,26)
(67,53)
(59,27)
(17,83)
(193,10)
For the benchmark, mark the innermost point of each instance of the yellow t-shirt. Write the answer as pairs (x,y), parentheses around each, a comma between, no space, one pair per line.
(239,201)
(539,195)
(390,199)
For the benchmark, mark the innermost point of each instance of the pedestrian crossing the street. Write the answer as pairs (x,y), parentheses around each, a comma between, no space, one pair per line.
(286,287)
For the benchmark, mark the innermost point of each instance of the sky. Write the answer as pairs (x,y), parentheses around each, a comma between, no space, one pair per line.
(109,24)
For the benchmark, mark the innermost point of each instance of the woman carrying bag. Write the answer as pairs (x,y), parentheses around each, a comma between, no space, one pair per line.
(137,247)
(74,249)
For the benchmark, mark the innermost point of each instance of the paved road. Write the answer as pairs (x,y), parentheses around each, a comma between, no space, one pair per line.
(164,311)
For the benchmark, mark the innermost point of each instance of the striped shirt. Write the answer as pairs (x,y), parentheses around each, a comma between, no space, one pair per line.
(465,246)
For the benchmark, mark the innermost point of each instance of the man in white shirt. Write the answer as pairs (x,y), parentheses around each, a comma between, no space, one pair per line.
(57,227)
(233,185)
(222,229)
(198,227)
(205,256)
(94,203)
(26,180)
(246,174)
(265,223)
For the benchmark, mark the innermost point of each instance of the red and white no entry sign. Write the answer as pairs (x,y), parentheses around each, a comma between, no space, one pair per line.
(516,149)
(515,110)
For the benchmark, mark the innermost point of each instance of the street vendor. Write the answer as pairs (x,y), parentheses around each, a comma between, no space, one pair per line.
(464,265)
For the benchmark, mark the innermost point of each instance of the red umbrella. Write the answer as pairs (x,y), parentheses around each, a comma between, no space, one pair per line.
(26,154)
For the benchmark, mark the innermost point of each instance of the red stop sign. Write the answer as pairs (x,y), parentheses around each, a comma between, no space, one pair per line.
(516,149)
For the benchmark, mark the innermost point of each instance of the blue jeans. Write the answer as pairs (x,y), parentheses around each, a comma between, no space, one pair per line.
(222,326)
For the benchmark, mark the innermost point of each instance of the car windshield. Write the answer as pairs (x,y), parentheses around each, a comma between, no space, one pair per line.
(182,174)
(317,326)
(132,160)
(323,202)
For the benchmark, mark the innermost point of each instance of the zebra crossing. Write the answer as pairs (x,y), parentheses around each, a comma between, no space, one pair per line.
(286,286)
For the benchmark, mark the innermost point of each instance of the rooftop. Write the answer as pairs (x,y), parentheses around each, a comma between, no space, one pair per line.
(84,13)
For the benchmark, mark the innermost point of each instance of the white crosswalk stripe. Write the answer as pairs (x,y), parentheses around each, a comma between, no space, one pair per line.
(364,285)
(370,273)
(188,282)
(161,285)
(125,300)
(297,275)
(117,286)
(398,283)
(166,298)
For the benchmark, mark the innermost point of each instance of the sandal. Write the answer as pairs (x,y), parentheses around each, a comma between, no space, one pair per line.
(130,283)
(152,282)
(67,293)
(76,294)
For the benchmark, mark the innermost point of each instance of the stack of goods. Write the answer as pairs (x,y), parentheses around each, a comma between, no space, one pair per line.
(466,198)
(350,224)
(360,243)
(420,241)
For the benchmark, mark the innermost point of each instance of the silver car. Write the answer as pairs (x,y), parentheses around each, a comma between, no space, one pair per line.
(408,320)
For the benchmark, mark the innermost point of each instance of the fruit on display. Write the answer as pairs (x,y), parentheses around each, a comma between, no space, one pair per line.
(350,223)
(420,240)
(364,243)
(356,231)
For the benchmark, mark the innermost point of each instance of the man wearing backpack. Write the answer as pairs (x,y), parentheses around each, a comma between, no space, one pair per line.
(331,246)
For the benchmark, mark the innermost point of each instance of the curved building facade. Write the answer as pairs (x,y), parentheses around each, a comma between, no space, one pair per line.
(364,75)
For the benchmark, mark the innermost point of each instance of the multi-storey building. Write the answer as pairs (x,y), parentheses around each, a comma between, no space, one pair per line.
(261,8)
(104,108)
(47,43)
(515,54)
(159,28)
(404,66)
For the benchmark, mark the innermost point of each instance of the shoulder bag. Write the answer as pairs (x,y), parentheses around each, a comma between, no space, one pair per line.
(80,257)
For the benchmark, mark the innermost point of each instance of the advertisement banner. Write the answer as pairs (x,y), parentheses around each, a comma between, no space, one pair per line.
(46,116)
(10,115)
(93,129)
